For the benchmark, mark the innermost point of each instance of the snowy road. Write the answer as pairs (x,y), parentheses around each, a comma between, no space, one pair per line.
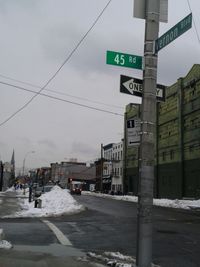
(111,225)
(106,225)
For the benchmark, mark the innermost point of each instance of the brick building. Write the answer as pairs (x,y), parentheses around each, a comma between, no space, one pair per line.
(177,155)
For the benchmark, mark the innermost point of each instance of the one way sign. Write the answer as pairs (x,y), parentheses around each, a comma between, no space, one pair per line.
(133,86)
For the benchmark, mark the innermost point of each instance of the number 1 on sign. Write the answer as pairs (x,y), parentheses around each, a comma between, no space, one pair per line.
(119,59)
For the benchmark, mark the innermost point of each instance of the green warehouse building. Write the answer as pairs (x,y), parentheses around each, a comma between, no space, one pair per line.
(177,155)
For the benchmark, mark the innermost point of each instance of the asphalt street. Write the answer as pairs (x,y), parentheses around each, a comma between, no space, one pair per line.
(106,225)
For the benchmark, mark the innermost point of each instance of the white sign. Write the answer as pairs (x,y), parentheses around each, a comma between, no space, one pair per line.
(133,132)
(139,10)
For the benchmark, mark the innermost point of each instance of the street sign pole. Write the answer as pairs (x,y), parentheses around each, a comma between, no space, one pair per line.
(147,147)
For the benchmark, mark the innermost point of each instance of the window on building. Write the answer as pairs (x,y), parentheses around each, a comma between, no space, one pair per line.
(164,156)
(172,154)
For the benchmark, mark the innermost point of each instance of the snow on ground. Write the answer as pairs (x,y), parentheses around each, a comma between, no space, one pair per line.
(114,259)
(54,203)
(176,203)
(5,244)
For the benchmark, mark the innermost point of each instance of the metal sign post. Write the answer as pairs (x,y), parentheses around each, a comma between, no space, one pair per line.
(148,130)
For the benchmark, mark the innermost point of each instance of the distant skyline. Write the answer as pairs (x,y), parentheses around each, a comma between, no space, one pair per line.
(37,36)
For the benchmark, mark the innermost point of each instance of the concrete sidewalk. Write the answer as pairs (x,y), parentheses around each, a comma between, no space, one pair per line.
(14,258)
(9,204)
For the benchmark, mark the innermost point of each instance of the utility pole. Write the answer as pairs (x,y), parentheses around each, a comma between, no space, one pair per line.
(124,155)
(147,147)
(101,184)
(1,175)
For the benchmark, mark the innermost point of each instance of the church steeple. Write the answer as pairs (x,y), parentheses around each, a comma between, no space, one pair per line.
(13,158)
(13,161)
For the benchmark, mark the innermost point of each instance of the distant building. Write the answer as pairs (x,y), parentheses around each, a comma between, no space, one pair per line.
(117,168)
(107,167)
(65,172)
(8,171)
(112,168)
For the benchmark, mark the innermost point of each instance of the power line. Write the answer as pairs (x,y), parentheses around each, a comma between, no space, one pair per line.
(59,92)
(59,99)
(195,26)
(58,70)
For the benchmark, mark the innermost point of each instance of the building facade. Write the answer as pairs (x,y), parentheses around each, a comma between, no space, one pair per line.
(177,154)
(107,168)
(112,168)
(178,138)
(117,168)
(65,172)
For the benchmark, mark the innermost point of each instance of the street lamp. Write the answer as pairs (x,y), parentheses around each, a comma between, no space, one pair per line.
(29,152)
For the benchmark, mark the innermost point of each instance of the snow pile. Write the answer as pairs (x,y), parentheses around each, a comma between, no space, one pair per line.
(5,244)
(54,203)
(176,203)
(11,189)
(114,259)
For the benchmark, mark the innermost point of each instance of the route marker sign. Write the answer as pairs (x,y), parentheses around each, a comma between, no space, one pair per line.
(133,131)
(168,37)
(133,86)
(124,60)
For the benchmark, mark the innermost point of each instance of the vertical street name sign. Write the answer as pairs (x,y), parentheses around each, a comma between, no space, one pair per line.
(124,60)
(168,37)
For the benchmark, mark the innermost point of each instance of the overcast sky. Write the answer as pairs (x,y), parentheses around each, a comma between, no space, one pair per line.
(38,35)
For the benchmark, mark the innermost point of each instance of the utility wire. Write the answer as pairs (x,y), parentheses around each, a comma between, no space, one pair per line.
(58,70)
(59,92)
(195,26)
(59,99)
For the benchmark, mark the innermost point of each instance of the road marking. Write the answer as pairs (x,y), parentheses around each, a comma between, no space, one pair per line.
(60,236)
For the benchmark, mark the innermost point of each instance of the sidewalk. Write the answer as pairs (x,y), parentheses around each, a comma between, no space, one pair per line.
(9,204)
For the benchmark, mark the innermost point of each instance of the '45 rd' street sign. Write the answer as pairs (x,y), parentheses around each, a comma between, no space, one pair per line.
(124,60)
(133,86)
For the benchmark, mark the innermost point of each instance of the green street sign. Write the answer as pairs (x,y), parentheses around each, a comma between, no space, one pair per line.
(124,60)
(181,27)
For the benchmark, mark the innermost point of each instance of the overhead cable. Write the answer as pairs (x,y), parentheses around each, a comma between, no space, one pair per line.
(194,22)
(58,70)
(59,99)
(59,92)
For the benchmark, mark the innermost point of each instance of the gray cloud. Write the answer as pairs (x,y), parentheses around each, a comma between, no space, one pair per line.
(82,149)
(49,144)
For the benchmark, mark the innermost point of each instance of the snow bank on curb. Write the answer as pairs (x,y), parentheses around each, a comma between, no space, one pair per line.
(114,259)
(5,244)
(54,203)
(176,203)
(11,189)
